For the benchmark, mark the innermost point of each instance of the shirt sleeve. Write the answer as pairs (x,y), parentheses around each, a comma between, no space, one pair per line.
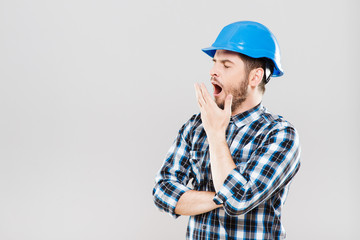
(271,167)
(173,176)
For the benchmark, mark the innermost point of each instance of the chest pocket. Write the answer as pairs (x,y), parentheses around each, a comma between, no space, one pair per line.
(201,172)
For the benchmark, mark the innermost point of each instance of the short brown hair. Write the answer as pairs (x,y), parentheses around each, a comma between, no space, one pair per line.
(252,63)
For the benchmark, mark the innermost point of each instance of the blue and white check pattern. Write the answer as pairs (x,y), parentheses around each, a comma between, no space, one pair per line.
(266,151)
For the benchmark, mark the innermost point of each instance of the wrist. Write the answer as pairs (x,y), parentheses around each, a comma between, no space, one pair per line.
(216,137)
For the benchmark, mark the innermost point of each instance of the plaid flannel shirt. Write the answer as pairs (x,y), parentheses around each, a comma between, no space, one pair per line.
(265,149)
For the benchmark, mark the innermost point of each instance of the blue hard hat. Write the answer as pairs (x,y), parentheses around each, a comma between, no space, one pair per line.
(249,38)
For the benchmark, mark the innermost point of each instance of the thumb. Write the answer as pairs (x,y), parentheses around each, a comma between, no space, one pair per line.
(228,103)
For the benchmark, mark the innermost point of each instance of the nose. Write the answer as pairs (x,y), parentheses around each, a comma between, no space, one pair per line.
(214,71)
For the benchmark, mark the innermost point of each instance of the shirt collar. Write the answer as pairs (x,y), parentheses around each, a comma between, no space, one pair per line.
(248,116)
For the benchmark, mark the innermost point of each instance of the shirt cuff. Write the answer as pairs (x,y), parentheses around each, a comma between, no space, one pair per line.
(233,184)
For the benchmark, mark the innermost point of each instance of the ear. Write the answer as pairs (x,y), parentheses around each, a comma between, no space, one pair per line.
(256,76)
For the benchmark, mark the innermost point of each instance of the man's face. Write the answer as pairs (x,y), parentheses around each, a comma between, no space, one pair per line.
(228,76)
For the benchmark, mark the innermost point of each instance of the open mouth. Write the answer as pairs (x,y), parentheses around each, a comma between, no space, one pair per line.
(217,88)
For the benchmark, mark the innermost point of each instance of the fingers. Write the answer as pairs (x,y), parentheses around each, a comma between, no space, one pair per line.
(206,95)
(199,97)
(203,96)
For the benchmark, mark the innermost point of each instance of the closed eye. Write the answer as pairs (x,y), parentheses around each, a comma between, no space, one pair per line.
(226,63)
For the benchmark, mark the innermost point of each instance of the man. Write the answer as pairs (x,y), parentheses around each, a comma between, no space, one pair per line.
(230,166)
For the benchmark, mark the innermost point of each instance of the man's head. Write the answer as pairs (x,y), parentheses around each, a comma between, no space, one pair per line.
(257,49)
(238,75)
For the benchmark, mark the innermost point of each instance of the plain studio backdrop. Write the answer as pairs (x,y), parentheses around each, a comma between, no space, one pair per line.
(93,93)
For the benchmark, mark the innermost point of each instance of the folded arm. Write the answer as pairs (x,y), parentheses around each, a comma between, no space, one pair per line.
(196,202)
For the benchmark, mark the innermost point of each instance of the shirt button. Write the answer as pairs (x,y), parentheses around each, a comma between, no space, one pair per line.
(204,226)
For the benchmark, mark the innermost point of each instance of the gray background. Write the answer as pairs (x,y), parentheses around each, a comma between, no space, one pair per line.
(92,94)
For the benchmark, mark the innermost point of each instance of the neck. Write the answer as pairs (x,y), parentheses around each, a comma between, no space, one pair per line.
(251,101)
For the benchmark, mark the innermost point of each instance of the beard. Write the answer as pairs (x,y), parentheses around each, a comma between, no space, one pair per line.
(239,96)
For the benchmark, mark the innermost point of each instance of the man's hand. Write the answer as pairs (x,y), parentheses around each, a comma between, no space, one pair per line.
(215,120)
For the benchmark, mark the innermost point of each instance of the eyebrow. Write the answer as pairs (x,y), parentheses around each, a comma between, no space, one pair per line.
(223,61)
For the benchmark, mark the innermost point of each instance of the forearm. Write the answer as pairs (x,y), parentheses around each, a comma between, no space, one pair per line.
(195,202)
(221,160)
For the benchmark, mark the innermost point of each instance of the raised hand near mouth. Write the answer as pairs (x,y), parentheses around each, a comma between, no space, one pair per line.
(215,120)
